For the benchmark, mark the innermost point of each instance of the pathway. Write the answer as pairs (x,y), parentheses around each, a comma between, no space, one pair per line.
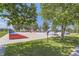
(31,36)
(75,52)
(4,39)
(2,50)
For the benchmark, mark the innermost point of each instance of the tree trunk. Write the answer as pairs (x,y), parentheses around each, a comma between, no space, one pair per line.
(77,27)
(47,36)
(63,27)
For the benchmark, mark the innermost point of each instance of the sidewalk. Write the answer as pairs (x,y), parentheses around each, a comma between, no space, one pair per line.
(76,52)
(4,39)
(31,36)
(2,50)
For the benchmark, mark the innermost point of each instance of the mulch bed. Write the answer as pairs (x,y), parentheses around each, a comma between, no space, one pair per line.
(16,36)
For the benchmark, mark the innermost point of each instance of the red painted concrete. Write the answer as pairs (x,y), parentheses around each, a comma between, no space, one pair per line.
(16,36)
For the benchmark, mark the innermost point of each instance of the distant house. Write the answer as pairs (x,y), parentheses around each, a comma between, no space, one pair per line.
(3,23)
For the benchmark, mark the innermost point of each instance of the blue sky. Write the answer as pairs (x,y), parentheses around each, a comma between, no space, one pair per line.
(39,18)
(3,23)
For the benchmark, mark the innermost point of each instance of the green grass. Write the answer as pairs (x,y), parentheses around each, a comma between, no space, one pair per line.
(2,33)
(55,47)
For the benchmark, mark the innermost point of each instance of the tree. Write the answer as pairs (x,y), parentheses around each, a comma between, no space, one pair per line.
(76,18)
(60,14)
(20,14)
(45,26)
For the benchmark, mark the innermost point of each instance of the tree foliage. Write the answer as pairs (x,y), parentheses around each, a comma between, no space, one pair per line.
(60,14)
(20,14)
(45,26)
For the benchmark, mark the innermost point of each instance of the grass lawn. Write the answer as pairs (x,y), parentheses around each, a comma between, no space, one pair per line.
(55,47)
(2,33)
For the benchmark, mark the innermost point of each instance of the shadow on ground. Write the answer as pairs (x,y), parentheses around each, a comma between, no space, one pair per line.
(55,47)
